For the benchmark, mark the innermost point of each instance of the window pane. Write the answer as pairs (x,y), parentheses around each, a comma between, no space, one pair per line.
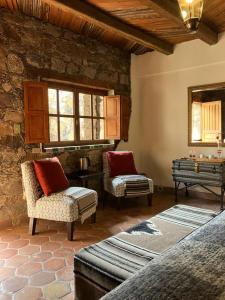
(53,129)
(52,101)
(85,129)
(84,104)
(66,103)
(196,121)
(98,129)
(98,106)
(66,129)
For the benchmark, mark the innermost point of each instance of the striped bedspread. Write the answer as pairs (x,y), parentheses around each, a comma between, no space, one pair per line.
(119,257)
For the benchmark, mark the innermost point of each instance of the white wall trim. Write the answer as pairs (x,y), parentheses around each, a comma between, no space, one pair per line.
(180,70)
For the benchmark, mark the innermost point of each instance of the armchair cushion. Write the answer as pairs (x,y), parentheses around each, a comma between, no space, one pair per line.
(67,206)
(121,163)
(50,175)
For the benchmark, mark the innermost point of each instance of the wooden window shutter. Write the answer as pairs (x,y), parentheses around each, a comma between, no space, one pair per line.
(36,112)
(112,117)
(125,117)
(211,121)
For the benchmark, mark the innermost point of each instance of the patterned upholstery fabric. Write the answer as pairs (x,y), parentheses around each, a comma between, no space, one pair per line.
(69,205)
(110,262)
(31,185)
(191,270)
(117,185)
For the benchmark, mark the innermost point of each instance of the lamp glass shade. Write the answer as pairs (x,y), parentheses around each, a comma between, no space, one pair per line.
(191,12)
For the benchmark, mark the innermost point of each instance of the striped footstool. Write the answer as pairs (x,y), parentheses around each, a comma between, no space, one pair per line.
(101,267)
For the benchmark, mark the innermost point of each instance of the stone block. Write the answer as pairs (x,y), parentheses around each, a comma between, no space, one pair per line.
(5,100)
(58,65)
(5,129)
(72,69)
(124,79)
(14,116)
(6,87)
(89,72)
(14,64)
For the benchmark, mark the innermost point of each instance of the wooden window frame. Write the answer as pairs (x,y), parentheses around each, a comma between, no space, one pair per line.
(76,90)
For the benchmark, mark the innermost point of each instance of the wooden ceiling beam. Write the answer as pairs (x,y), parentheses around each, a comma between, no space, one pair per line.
(107,22)
(170,10)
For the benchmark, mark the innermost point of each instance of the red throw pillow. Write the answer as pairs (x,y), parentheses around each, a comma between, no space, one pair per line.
(50,175)
(121,163)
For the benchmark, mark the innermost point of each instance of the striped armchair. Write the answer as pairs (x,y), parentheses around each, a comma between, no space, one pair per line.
(70,205)
(127,186)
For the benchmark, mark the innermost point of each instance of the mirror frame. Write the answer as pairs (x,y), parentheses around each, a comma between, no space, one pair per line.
(190,90)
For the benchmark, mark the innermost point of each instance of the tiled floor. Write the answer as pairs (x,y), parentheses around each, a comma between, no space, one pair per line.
(41,266)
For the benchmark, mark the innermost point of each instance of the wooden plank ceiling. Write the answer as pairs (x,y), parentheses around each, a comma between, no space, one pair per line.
(136,26)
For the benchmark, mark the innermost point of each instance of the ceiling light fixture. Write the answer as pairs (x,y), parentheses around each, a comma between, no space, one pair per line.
(191,12)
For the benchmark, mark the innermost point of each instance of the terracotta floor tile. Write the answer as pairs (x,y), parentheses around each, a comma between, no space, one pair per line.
(39,240)
(68,297)
(46,232)
(58,237)
(10,237)
(18,244)
(21,229)
(54,264)
(65,274)
(56,290)
(70,260)
(70,244)
(6,273)
(41,257)
(29,269)
(2,263)
(63,252)
(28,293)
(50,246)
(14,284)
(29,250)
(5,297)
(57,226)
(7,253)
(42,278)
(72,285)
(3,246)
(17,261)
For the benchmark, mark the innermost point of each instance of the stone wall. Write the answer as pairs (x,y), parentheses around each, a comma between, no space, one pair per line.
(30,49)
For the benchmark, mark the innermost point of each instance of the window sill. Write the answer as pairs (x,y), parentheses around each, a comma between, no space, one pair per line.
(79,147)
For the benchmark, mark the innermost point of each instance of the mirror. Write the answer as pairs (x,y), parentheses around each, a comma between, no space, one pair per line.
(206,115)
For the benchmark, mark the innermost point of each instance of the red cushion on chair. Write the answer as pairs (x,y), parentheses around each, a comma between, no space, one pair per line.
(121,163)
(50,175)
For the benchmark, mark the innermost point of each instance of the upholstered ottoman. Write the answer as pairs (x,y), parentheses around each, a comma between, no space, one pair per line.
(101,267)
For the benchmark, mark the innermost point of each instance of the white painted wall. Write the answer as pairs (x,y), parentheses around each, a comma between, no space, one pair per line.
(159,122)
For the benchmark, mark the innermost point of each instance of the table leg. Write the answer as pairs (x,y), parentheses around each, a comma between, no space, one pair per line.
(186,190)
(103,193)
(176,192)
(85,183)
(221,198)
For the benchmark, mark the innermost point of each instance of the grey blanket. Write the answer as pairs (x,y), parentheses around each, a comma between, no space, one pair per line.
(194,269)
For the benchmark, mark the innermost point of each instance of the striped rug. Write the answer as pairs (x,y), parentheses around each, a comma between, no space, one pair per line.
(120,256)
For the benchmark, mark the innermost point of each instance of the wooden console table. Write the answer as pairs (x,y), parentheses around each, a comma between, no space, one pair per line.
(203,172)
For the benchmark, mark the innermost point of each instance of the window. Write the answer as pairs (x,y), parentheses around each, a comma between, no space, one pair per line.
(196,121)
(73,116)
(76,115)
